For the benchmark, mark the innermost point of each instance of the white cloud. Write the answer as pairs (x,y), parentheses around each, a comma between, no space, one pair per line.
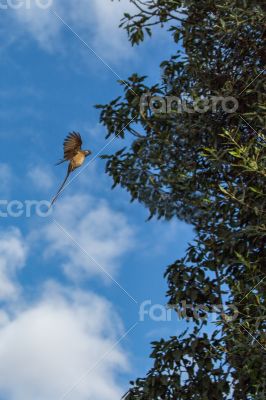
(46,348)
(41,178)
(104,234)
(54,345)
(95,21)
(12,258)
(108,38)
(40,23)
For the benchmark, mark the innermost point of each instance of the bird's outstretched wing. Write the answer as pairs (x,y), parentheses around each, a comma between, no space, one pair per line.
(72,144)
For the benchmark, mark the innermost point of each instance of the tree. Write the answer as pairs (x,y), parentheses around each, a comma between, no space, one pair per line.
(207,168)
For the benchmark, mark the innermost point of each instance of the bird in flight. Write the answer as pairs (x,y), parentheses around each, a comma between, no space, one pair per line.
(73,154)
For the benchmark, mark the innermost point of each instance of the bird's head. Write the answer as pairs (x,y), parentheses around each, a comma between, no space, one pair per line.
(87,153)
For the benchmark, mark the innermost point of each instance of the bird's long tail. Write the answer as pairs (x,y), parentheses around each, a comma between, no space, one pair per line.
(61,187)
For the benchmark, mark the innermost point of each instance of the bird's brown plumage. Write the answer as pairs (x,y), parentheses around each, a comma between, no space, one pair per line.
(73,154)
(72,145)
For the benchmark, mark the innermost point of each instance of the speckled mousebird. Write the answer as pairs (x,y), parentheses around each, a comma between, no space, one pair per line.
(73,154)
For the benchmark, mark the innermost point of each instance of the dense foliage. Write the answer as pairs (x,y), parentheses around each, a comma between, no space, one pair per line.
(207,168)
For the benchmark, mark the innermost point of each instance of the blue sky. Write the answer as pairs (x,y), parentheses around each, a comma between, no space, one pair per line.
(69,282)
